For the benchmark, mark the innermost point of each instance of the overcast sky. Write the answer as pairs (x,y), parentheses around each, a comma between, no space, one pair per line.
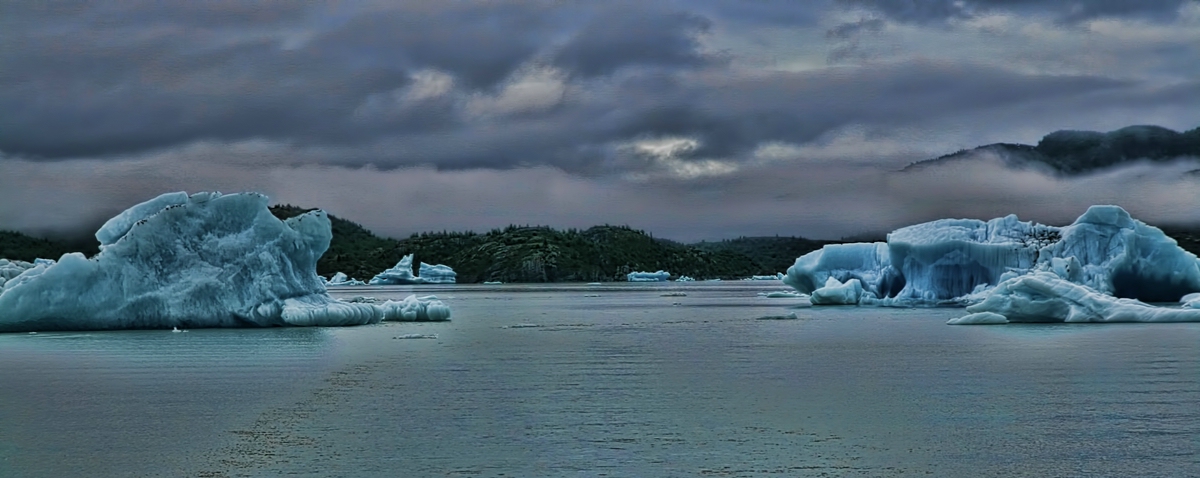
(690,119)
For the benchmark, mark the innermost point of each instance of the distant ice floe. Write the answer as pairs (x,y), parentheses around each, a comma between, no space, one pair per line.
(341,280)
(402,274)
(685,279)
(660,276)
(179,261)
(777,276)
(1098,269)
(780,294)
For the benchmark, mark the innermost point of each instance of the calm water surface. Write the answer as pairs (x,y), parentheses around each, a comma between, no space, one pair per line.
(611,380)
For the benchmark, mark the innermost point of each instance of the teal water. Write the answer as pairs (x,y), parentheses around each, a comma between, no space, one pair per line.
(551,381)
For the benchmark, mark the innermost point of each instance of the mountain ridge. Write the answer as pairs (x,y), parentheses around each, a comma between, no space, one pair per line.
(1075,152)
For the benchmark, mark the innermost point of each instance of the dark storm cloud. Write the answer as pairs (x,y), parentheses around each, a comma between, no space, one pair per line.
(615,38)
(732,116)
(1068,11)
(92,82)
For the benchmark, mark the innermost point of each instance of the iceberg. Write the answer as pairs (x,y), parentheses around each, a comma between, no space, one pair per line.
(399,274)
(402,274)
(437,274)
(340,280)
(685,279)
(416,309)
(962,261)
(1104,267)
(179,261)
(659,276)
(777,276)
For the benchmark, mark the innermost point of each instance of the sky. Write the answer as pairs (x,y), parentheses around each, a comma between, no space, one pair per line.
(693,120)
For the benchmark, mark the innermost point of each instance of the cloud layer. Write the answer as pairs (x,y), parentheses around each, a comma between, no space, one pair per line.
(772,118)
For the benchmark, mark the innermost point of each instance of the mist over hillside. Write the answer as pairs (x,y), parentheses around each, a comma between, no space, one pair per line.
(1071,153)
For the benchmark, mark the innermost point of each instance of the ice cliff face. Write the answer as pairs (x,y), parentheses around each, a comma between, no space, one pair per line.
(208,260)
(962,261)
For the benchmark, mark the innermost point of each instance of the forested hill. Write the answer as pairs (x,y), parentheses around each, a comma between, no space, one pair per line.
(543,254)
(1069,153)
(18,246)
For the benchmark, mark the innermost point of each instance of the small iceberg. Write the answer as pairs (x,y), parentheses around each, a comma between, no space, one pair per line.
(673,294)
(402,274)
(660,276)
(341,280)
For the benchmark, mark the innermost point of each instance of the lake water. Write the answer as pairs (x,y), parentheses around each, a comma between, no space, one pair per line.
(610,380)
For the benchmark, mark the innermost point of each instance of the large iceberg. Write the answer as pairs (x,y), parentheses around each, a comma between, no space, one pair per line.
(437,274)
(402,274)
(660,276)
(1106,253)
(205,260)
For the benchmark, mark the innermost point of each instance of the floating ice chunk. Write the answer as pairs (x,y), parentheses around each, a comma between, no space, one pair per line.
(593,283)
(341,280)
(400,274)
(414,309)
(416,336)
(673,294)
(684,279)
(1046,297)
(979,318)
(492,282)
(837,293)
(437,274)
(791,316)
(659,276)
(777,276)
(780,294)
(210,261)
(523,326)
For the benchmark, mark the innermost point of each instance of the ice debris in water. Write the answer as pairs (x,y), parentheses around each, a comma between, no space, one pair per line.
(416,336)
(779,294)
(402,273)
(685,279)
(205,260)
(341,280)
(1097,269)
(659,276)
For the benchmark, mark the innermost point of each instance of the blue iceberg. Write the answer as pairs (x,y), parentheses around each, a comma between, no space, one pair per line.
(205,260)
(1101,268)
